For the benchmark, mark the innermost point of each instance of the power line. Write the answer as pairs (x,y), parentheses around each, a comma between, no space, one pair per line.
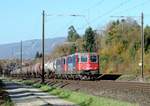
(127,8)
(62,28)
(89,9)
(131,9)
(125,16)
(122,16)
(111,10)
(73,15)
(76,15)
(70,15)
(108,12)
(98,3)
(134,7)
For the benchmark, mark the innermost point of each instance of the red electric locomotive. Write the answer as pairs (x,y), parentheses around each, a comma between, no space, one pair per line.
(87,63)
(78,65)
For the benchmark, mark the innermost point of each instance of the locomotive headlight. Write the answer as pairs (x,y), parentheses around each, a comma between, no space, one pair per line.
(140,64)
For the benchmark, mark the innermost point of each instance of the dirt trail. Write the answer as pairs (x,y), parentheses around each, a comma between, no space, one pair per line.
(23,95)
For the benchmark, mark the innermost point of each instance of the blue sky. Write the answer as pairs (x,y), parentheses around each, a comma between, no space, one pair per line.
(21,19)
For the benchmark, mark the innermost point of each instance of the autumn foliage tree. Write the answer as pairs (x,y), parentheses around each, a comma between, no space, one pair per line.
(122,43)
(119,47)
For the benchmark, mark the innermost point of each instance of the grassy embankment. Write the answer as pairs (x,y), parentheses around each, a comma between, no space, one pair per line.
(79,98)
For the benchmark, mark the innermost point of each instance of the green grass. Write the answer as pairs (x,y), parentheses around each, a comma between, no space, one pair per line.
(37,85)
(7,102)
(28,82)
(79,98)
(87,100)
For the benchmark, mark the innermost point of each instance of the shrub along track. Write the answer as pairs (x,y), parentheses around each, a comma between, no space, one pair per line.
(135,92)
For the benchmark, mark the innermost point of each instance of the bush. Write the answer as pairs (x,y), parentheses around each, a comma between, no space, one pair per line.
(45,88)
(37,85)
(28,82)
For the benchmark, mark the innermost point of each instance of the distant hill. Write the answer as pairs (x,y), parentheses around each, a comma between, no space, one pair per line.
(30,47)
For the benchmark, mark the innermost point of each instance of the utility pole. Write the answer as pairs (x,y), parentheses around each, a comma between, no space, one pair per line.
(142,46)
(21,56)
(43,33)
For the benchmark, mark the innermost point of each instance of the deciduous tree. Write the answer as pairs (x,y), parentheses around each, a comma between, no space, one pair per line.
(72,34)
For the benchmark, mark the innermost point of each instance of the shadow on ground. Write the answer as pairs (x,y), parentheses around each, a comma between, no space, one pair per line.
(26,94)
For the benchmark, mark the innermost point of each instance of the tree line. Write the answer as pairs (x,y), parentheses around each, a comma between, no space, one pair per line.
(119,45)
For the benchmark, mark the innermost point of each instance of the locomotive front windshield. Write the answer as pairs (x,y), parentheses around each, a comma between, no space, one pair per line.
(93,58)
(84,58)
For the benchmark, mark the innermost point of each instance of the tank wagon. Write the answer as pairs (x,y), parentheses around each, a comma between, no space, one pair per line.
(74,66)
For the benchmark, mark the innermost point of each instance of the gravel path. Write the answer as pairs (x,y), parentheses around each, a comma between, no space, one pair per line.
(22,95)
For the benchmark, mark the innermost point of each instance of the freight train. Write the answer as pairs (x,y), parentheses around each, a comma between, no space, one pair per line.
(74,66)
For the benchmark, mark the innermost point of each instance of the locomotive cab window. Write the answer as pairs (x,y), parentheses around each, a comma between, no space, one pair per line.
(83,58)
(64,61)
(69,59)
(58,62)
(93,58)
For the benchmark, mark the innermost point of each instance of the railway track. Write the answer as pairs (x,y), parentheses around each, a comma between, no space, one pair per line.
(111,84)
(136,92)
